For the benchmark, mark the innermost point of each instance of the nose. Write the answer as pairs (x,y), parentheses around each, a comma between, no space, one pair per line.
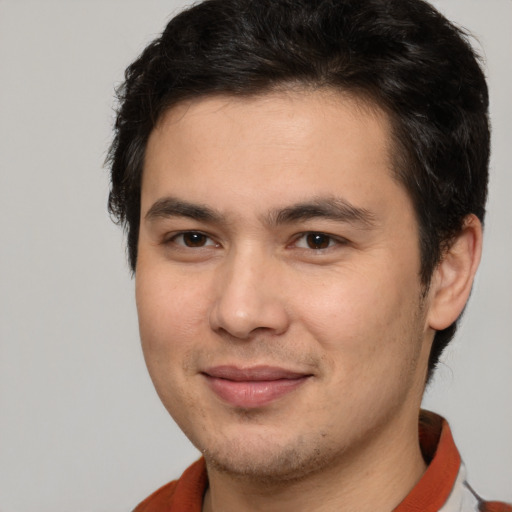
(249,298)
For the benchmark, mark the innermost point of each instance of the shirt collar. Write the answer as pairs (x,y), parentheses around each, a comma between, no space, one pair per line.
(444,462)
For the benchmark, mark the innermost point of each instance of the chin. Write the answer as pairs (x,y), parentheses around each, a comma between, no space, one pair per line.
(269,462)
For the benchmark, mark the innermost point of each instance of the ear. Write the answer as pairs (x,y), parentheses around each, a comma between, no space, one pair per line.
(453,278)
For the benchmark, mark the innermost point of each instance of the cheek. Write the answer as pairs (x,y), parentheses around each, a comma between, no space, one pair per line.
(363,321)
(344,308)
(170,310)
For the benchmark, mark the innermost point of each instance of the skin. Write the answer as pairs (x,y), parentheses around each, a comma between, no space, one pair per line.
(227,275)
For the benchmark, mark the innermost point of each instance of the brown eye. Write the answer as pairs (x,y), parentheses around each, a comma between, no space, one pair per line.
(194,239)
(318,241)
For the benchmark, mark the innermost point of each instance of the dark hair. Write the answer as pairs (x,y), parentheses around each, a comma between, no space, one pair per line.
(400,55)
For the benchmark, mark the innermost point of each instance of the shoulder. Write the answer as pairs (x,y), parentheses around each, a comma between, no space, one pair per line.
(494,506)
(481,505)
(159,499)
(465,499)
(182,495)
(444,486)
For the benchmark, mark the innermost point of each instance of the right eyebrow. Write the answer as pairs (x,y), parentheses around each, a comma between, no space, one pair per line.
(332,208)
(171,207)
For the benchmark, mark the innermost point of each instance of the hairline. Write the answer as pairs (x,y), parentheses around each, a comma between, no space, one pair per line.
(367,101)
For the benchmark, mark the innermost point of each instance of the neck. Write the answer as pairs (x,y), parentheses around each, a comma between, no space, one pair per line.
(377,476)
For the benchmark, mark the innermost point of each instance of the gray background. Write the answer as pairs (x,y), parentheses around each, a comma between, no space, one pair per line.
(81,428)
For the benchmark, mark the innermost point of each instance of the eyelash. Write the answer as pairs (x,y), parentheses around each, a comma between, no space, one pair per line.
(318,237)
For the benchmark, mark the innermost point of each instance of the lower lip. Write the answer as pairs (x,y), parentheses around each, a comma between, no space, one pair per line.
(252,394)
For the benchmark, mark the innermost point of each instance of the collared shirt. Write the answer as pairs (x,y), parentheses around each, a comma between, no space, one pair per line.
(442,488)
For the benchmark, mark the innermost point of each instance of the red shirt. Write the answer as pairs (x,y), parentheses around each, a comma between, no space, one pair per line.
(442,487)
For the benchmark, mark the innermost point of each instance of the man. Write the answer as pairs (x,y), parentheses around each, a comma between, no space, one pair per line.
(303,185)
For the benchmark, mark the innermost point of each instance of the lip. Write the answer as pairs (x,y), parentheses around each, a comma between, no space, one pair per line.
(252,387)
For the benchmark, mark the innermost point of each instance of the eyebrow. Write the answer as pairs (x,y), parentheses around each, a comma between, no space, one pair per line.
(172,207)
(330,208)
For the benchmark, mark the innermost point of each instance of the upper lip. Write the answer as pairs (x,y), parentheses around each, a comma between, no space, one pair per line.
(253,373)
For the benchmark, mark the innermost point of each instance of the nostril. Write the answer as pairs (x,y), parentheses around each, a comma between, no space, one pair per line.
(244,320)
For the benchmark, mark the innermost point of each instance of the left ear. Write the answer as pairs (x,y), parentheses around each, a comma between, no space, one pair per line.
(453,277)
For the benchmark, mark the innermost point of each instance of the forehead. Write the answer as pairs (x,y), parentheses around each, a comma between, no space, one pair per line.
(283,115)
(264,149)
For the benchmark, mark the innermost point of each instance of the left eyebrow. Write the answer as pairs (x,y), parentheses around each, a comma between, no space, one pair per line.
(330,208)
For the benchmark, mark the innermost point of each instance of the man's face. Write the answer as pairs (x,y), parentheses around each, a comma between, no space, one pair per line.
(277,282)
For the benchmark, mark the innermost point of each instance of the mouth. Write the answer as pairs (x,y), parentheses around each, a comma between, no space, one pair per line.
(253,387)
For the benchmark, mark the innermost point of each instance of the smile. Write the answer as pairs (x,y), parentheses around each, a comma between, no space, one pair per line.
(252,387)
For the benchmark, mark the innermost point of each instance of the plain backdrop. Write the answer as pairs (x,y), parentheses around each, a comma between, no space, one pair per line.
(81,428)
